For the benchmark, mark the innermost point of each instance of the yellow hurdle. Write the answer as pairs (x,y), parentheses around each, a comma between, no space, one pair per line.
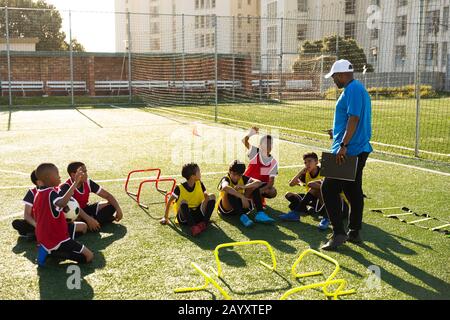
(341,282)
(219,272)
(208,280)
(328,282)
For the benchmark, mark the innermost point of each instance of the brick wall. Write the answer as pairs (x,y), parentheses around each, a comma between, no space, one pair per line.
(91,68)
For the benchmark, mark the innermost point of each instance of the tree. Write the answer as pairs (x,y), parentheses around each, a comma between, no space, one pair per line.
(346,49)
(44,23)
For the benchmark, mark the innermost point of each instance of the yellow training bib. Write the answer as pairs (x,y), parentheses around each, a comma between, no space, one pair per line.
(194,199)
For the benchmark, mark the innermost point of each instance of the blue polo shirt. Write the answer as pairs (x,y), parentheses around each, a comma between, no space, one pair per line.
(354,101)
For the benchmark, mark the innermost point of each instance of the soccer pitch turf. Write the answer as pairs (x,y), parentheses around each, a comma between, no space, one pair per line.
(140,259)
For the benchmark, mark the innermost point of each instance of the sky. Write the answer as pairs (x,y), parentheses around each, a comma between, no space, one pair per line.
(94,28)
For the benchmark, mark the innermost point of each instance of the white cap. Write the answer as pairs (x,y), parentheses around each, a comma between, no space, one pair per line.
(340,66)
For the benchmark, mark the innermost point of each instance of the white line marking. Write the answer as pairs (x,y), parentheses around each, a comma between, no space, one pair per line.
(11,216)
(16,172)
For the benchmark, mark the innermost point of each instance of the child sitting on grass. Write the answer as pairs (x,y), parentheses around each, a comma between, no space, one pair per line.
(239,194)
(309,177)
(96,215)
(192,204)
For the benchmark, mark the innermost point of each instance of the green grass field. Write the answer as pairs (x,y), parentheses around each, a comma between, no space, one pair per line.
(394,122)
(140,259)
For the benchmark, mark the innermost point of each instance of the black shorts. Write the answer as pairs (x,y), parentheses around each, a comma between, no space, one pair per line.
(91,209)
(71,250)
(72,230)
(234,212)
(195,213)
(103,216)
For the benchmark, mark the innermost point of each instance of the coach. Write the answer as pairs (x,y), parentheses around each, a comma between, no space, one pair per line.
(351,136)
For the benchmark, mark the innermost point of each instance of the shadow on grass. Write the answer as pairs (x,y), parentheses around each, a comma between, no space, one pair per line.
(306,232)
(287,285)
(389,249)
(53,277)
(270,233)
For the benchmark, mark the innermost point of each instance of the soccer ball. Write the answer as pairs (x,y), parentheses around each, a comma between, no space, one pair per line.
(72,210)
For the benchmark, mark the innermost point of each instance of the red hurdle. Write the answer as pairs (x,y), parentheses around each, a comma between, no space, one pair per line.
(155,180)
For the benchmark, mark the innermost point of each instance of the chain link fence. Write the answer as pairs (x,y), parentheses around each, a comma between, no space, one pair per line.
(242,70)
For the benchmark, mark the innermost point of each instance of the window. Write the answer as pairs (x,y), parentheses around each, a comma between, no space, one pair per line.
(374,34)
(432,22)
(302,5)
(249,2)
(350,6)
(155,44)
(213,3)
(249,19)
(402,26)
(445,18)
(402,3)
(272,34)
(444,53)
(213,39)
(202,4)
(239,21)
(208,40)
(272,10)
(202,22)
(301,31)
(400,56)
(202,40)
(239,39)
(197,22)
(154,9)
(249,38)
(154,28)
(197,4)
(239,4)
(350,30)
(431,53)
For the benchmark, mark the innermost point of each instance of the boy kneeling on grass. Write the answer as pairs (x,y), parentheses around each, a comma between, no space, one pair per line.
(51,226)
(239,194)
(192,204)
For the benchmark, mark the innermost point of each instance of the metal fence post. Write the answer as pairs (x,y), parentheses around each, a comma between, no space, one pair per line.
(130,83)
(183,57)
(8,54)
(233,57)
(321,74)
(418,78)
(337,39)
(216,69)
(72,98)
(280,68)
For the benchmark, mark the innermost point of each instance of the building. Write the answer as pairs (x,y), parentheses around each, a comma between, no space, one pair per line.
(386,29)
(19,44)
(188,26)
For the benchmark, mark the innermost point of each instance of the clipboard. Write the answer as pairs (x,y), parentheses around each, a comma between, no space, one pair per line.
(330,168)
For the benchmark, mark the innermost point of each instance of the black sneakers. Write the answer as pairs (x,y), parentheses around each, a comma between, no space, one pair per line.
(335,242)
(354,237)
